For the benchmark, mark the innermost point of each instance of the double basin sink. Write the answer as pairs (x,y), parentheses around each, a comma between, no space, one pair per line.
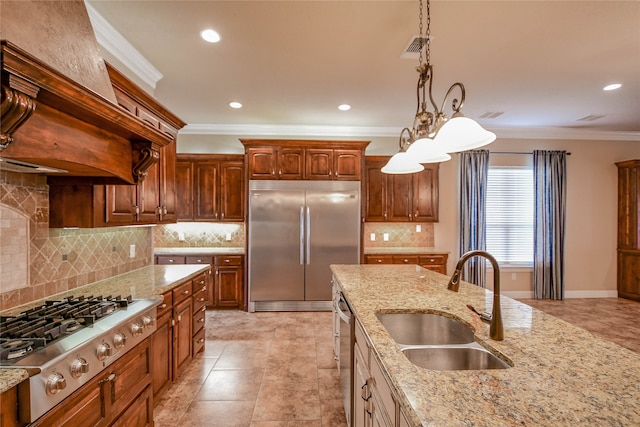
(437,342)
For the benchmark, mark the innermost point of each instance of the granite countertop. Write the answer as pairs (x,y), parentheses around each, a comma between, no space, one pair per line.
(199,251)
(147,282)
(562,375)
(402,250)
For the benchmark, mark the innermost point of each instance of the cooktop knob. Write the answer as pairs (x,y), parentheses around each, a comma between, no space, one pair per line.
(146,321)
(119,340)
(103,351)
(79,367)
(136,329)
(55,383)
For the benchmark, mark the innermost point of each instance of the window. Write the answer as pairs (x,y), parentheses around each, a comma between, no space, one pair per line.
(510,214)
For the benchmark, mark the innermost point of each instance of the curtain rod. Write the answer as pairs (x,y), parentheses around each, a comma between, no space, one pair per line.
(516,152)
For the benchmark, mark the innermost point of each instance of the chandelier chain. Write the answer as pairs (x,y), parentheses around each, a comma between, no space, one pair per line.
(428,35)
(420,36)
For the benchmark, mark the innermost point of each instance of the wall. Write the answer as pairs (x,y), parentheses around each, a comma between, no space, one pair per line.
(59,259)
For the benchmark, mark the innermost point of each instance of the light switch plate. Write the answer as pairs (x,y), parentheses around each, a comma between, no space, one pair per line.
(372,237)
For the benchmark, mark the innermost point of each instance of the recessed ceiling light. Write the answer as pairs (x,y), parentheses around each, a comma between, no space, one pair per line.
(612,86)
(210,36)
(344,107)
(235,104)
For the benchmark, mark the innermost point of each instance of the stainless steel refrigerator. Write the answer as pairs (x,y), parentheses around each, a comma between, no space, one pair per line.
(296,230)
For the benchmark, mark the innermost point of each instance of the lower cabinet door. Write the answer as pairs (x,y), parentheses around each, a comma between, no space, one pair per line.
(228,287)
(139,413)
(182,336)
(162,350)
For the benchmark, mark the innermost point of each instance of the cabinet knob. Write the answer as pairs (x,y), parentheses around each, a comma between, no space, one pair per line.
(378,260)
(405,260)
(170,261)
(185,292)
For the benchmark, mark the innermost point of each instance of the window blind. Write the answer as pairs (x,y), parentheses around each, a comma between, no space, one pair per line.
(510,214)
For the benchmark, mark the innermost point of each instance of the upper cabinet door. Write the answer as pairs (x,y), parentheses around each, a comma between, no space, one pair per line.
(425,194)
(400,195)
(290,163)
(347,165)
(318,164)
(262,162)
(168,206)
(375,198)
(207,187)
(232,191)
(184,189)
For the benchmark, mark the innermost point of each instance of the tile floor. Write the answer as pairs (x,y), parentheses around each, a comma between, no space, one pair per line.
(258,370)
(277,369)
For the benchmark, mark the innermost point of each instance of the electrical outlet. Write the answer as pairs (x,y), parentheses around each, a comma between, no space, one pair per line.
(132,251)
(372,237)
(181,236)
(228,237)
(418,228)
(385,237)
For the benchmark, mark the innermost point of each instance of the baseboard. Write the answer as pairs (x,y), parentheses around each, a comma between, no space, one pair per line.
(567,294)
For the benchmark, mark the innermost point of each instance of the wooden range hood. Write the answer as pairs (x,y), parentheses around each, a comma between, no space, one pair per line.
(48,119)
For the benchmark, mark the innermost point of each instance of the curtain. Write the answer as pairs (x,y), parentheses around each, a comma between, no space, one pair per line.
(550,176)
(474,171)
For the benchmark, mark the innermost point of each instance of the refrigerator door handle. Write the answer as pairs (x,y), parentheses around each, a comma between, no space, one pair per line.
(301,235)
(308,236)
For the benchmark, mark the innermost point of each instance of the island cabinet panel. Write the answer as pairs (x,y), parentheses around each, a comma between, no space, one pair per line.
(629,229)
(122,396)
(210,187)
(9,406)
(304,159)
(182,331)
(400,198)
(162,348)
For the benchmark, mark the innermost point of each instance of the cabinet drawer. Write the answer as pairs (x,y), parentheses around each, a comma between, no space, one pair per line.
(378,259)
(199,299)
(199,319)
(228,260)
(433,259)
(384,391)
(182,291)
(198,342)
(199,260)
(169,259)
(405,259)
(166,305)
(199,283)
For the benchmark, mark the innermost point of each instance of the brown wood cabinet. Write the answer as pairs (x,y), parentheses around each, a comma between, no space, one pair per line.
(122,396)
(629,229)
(10,415)
(227,288)
(333,164)
(400,198)
(304,159)
(210,187)
(228,282)
(434,262)
(180,328)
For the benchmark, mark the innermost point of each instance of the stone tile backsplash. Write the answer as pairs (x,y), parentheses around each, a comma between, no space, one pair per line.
(199,234)
(59,259)
(400,234)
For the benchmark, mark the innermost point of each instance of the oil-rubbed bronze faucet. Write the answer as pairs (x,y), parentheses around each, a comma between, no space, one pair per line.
(496,330)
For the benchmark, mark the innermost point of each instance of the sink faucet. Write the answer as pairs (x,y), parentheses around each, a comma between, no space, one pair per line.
(496,330)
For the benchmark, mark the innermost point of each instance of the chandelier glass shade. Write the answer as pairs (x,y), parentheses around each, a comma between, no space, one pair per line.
(434,135)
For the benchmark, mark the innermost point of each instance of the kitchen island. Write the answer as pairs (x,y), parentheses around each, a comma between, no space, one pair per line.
(560,375)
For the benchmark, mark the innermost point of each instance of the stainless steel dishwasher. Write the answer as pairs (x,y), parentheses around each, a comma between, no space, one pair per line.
(346,354)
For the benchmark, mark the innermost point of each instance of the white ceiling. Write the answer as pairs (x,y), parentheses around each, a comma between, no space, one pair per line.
(291,63)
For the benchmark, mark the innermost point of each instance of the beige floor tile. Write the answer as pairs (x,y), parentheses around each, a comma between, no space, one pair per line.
(333,413)
(329,384)
(244,355)
(292,368)
(218,414)
(234,384)
(287,401)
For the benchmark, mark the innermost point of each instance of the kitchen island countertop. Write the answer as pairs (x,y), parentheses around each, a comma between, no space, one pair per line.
(562,375)
(147,282)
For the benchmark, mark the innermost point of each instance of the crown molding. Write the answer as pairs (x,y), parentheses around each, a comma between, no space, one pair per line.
(363,131)
(119,47)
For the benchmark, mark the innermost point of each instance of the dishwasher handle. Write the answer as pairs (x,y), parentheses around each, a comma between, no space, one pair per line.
(343,311)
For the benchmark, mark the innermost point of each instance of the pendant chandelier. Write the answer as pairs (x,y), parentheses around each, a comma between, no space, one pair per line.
(434,135)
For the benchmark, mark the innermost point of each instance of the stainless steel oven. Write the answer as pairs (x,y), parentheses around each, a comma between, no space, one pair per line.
(345,357)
